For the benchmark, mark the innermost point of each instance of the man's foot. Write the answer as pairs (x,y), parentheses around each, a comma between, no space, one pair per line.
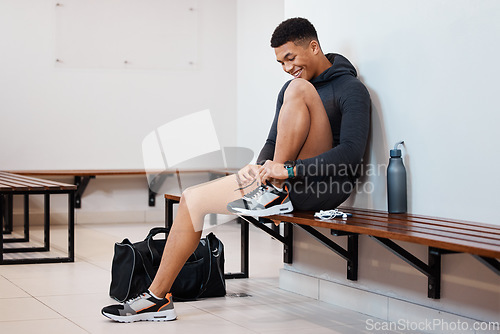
(266,200)
(143,307)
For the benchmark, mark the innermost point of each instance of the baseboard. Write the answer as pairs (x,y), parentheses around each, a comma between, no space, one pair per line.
(385,310)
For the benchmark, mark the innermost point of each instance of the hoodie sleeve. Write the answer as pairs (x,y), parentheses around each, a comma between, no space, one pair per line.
(344,159)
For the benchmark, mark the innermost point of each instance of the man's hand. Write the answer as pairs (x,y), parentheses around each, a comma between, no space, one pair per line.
(272,170)
(247,174)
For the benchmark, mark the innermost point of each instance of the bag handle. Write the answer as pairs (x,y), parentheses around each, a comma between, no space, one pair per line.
(157,230)
(155,255)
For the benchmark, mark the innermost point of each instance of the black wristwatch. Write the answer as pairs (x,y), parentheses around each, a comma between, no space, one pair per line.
(289,167)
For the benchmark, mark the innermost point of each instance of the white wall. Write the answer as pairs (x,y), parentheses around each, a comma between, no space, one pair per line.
(64,117)
(60,117)
(260,77)
(238,78)
(432,69)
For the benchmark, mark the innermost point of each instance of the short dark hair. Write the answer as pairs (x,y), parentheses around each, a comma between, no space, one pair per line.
(297,30)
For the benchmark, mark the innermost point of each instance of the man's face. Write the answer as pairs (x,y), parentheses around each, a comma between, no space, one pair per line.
(296,60)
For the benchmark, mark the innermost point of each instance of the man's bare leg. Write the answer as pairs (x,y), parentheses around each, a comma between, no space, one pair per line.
(303,131)
(303,127)
(195,203)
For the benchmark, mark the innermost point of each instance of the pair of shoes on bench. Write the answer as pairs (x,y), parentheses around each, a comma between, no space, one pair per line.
(265,200)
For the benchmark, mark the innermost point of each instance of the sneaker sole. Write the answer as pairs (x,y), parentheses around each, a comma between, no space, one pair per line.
(167,315)
(275,210)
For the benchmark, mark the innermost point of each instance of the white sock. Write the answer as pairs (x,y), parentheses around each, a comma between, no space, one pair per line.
(152,294)
(279,189)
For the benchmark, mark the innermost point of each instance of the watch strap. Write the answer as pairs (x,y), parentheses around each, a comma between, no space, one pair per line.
(289,165)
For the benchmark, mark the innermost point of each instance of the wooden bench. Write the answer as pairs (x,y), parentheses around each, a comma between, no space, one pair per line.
(12,185)
(82,178)
(440,236)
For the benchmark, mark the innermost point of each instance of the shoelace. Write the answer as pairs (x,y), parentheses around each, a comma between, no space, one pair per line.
(256,193)
(330,214)
(131,300)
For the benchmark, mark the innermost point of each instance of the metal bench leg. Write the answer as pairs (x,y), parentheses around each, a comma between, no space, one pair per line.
(244,228)
(169,221)
(245,241)
(489,262)
(46,222)
(2,213)
(288,244)
(8,214)
(350,255)
(71,226)
(151,197)
(81,182)
(3,209)
(434,277)
(8,219)
(431,270)
(169,212)
(352,262)
(26,218)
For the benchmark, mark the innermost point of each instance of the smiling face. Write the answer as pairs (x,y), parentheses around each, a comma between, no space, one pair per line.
(298,60)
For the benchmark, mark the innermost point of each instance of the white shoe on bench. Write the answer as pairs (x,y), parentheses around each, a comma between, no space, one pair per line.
(266,200)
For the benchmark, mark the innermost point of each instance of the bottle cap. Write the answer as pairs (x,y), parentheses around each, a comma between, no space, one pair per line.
(396,153)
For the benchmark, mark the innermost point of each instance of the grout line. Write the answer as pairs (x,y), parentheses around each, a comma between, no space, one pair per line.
(226,320)
(30,296)
(74,323)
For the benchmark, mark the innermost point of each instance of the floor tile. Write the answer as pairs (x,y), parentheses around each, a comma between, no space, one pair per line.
(61,279)
(10,290)
(52,326)
(266,317)
(20,309)
(71,306)
(190,320)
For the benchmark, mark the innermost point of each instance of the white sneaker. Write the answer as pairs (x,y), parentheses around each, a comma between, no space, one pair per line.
(266,200)
(143,307)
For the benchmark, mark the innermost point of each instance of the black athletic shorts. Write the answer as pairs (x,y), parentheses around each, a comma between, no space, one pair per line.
(314,193)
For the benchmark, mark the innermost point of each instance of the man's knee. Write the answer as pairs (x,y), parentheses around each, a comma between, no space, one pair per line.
(300,88)
(190,205)
(188,198)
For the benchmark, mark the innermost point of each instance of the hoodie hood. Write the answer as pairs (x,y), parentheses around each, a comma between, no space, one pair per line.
(340,66)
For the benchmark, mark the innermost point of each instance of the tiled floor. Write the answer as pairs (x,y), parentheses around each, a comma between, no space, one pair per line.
(67,298)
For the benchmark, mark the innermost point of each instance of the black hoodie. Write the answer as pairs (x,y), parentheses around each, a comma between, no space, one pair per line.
(347,103)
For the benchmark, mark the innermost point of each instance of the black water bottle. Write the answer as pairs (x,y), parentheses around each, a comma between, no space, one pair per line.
(396,182)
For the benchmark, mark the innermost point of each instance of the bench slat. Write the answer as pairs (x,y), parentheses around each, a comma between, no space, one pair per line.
(34,181)
(24,183)
(391,232)
(21,186)
(4,187)
(425,231)
(444,230)
(441,221)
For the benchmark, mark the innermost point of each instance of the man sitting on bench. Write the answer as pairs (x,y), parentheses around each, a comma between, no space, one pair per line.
(315,145)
